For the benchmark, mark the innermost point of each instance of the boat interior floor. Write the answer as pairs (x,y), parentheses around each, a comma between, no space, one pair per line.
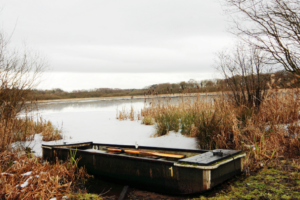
(145,155)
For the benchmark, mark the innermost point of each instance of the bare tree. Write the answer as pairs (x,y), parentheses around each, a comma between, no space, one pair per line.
(19,73)
(271,25)
(246,74)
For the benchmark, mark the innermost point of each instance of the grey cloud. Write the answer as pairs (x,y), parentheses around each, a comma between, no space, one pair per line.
(120,36)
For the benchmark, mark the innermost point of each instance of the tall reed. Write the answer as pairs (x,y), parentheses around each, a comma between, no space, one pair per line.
(24,129)
(217,122)
(124,114)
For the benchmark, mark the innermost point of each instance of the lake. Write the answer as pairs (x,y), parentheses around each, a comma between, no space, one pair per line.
(96,120)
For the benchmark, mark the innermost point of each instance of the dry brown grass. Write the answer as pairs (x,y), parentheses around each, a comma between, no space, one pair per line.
(29,127)
(48,131)
(272,131)
(131,114)
(19,129)
(45,181)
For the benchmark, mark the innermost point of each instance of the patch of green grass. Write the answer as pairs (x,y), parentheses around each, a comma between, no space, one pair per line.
(84,196)
(281,182)
(147,120)
(166,122)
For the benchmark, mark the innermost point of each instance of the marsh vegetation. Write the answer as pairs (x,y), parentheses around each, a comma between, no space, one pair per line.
(256,110)
(22,174)
(268,132)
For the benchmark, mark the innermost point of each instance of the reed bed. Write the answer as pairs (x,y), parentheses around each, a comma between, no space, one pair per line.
(124,114)
(270,131)
(24,129)
(24,176)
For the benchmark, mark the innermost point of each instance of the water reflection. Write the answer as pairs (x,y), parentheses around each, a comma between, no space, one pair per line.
(59,106)
(95,120)
(113,103)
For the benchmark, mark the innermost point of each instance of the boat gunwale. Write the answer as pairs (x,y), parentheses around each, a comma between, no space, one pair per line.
(130,146)
(118,155)
(70,144)
(154,148)
(140,147)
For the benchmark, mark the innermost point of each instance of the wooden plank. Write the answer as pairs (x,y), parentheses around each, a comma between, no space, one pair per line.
(123,193)
(166,155)
(46,147)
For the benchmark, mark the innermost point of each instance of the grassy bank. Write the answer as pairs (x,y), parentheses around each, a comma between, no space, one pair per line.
(278,179)
(24,176)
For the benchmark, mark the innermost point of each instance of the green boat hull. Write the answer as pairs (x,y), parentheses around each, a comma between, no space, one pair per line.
(153,174)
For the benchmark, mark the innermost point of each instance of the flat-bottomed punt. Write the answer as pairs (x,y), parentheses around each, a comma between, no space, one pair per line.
(167,170)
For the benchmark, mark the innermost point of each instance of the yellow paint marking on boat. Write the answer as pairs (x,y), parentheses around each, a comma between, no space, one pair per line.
(171,168)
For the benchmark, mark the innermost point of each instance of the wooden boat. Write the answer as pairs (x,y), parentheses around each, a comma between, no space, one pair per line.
(167,170)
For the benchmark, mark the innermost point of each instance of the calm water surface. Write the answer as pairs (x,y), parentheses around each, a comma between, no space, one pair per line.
(95,120)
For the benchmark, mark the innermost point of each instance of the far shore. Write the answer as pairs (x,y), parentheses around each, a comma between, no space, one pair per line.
(139,96)
(130,97)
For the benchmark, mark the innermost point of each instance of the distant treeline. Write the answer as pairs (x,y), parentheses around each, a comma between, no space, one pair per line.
(280,79)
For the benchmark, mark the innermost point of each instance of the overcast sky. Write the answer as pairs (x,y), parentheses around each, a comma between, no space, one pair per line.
(119,43)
